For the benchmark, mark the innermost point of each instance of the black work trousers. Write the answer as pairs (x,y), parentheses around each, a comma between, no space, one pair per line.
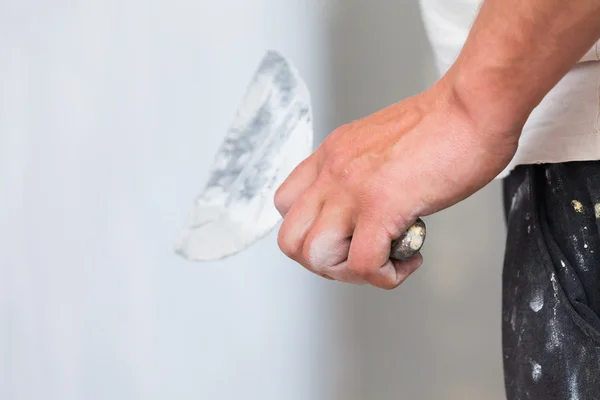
(551,282)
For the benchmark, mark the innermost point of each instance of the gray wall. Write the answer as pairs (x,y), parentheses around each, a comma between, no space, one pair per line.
(438,335)
(110,113)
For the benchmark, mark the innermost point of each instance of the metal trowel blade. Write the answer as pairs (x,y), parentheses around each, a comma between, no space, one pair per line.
(270,135)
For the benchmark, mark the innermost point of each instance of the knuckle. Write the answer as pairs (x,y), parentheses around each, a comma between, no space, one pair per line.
(337,133)
(307,257)
(287,244)
(337,167)
(316,258)
(378,205)
(280,200)
(335,159)
(377,193)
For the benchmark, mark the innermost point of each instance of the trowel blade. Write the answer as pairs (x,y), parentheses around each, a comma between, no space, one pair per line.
(270,135)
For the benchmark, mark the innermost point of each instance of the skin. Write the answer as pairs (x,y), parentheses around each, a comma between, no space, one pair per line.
(372,178)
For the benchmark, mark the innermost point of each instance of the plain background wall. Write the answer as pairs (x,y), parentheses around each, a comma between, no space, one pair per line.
(438,335)
(110,113)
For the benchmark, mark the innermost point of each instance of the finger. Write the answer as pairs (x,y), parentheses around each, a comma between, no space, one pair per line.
(327,277)
(301,178)
(343,274)
(369,253)
(328,242)
(298,221)
(405,268)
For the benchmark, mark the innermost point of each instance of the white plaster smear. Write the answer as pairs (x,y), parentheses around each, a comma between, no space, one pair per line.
(270,135)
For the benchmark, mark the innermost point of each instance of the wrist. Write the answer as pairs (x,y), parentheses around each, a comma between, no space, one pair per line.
(492,100)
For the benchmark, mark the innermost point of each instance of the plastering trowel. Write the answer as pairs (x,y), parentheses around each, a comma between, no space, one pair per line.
(271,134)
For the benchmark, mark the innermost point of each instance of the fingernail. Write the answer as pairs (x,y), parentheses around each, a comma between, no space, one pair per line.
(388,271)
(327,277)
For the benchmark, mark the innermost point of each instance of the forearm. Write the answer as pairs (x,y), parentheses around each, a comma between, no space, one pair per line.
(516,52)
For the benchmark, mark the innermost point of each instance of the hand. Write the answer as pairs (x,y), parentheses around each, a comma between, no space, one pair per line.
(371,179)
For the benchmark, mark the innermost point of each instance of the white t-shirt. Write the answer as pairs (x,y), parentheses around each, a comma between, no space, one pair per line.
(565,126)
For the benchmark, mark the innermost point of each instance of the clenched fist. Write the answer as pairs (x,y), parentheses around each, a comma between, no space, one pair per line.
(371,179)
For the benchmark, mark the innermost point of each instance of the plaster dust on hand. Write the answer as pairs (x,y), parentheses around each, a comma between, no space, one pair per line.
(270,135)
(327,250)
(328,254)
